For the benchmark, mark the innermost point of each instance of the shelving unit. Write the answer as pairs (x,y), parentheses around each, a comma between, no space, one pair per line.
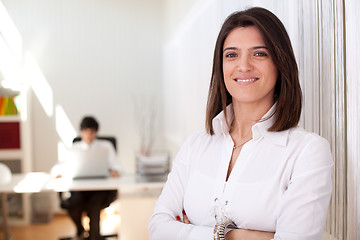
(17,156)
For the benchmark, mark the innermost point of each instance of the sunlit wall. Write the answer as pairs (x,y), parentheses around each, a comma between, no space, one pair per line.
(91,57)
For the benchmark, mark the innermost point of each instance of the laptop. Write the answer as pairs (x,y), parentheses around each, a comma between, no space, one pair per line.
(89,163)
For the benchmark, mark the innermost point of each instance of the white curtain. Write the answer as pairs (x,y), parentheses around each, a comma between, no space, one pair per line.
(352,26)
(323,77)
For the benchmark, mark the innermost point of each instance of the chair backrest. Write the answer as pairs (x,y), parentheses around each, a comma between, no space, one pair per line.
(110,139)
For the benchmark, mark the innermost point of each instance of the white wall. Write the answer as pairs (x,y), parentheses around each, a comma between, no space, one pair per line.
(187,68)
(96,56)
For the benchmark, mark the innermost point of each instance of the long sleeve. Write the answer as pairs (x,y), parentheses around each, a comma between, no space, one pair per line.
(113,161)
(163,225)
(304,205)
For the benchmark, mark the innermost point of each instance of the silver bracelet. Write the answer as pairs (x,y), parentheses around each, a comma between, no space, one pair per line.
(222,228)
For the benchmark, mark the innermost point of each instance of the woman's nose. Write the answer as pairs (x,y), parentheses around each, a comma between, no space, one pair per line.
(244,64)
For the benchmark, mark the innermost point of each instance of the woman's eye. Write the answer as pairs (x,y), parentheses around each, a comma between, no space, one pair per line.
(230,55)
(261,54)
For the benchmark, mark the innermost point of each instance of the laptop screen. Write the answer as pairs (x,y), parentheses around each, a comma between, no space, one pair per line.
(89,163)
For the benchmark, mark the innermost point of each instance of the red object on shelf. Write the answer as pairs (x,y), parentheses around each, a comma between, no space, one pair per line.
(9,135)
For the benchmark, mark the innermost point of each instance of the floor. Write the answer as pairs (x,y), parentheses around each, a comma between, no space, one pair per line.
(128,217)
(59,226)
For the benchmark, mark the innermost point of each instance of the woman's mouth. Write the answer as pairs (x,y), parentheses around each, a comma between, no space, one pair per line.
(246,80)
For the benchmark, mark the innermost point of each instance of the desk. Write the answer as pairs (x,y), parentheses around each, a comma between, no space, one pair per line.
(42,182)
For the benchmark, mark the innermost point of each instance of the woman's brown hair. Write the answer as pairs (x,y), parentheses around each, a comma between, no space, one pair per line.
(287,89)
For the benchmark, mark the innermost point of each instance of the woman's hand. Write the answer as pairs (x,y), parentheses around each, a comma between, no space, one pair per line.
(185,219)
(243,234)
(236,234)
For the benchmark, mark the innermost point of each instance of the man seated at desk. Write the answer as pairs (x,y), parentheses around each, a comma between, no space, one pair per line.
(91,202)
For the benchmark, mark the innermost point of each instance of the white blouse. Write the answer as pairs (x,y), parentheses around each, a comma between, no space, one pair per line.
(281,182)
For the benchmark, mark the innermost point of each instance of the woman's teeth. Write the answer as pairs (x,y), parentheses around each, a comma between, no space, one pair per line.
(246,80)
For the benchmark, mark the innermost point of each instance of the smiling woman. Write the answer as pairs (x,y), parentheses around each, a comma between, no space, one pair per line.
(254,173)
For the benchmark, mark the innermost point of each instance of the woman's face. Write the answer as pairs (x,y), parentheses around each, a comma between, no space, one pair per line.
(249,71)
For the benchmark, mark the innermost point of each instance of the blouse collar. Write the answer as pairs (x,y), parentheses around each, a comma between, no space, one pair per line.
(259,130)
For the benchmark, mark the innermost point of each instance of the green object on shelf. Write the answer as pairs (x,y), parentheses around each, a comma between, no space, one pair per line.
(8,106)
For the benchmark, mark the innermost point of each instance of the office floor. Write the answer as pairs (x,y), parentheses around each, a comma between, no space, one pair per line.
(129,218)
(60,226)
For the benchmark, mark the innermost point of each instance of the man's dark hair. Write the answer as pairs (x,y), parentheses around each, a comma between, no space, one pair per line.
(89,122)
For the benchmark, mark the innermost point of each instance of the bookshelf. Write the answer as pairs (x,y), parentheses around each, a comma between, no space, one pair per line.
(15,148)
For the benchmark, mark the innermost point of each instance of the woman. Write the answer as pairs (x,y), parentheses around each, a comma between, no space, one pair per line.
(253,169)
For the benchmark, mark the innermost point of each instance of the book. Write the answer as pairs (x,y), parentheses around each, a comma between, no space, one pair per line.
(8,105)
(9,135)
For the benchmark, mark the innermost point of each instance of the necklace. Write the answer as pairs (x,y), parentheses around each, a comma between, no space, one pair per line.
(245,137)
(235,147)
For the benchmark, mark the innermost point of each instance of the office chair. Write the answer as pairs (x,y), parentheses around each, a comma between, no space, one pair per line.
(110,139)
(113,141)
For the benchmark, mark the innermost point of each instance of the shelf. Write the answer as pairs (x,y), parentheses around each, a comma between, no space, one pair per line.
(18,203)
(13,154)
(15,150)
(10,118)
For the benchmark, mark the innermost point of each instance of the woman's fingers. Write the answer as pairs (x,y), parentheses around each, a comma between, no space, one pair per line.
(185,219)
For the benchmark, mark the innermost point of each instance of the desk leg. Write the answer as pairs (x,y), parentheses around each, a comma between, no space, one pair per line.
(5,212)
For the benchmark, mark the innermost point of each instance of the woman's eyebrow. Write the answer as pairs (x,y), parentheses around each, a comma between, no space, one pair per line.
(257,47)
(230,48)
(252,48)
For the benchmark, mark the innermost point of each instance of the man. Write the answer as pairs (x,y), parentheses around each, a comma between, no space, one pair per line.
(91,202)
